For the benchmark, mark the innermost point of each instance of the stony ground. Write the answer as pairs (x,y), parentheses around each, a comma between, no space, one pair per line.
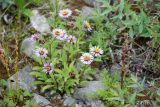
(38,22)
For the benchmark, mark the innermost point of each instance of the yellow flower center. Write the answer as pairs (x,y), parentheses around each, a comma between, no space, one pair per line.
(41,52)
(88,25)
(65,12)
(48,68)
(58,32)
(71,39)
(96,50)
(87,58)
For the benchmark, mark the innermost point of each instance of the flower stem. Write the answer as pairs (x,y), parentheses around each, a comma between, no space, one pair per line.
(51,49)
(42,61)
(56,7)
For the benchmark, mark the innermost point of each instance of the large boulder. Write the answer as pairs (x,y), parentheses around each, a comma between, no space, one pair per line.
(25,80)
(90,89)
(39,22)
(27,46)
(41,101)
(86,11)
(95,103)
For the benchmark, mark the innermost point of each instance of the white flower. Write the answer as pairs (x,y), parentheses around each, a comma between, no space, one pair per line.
(48,68)
(71,39)
(86,58)
(41,52)
(34,37)
(63,37)
(59,33)
(87,26)
(65,13)
(96,51)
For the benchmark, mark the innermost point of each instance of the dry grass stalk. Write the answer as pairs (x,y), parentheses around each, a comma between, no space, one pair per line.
(4,61)
(124,55)
(16,60)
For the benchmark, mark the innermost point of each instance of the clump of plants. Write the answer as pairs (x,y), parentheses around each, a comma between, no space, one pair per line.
(134,92)
(67,56)
(155,64)
(141,23)
(10,97)
(61,65)
(137,21)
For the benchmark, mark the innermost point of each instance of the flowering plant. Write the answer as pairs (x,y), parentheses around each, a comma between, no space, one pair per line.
(56,71)
(61,67)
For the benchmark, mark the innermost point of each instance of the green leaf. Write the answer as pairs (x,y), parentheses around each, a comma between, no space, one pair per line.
(140,28)
(36,68)
(47,87)
(20,3)
(158,92)
(131,32)
(36,74)
(97,59)
(21,97)
(38,83)
(83,83)
(3,82)
(132,98)
(50,80)
(27,93)
(27,103)
(53,92)
(27,12)
(58,70)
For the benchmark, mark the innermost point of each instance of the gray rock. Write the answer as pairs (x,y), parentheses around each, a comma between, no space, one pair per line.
(97,74)
(69,102)
(95,103)
(80,104)
(24,79)
(85,93)
(27,46)
(94,3)
(39,22)
(86,11)
(40,100)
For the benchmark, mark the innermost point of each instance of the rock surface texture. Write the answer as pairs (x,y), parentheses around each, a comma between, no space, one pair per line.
(86,11)
(41,101)
(90,89)
(24,79)
(69,102)
(39,22)
(27,47)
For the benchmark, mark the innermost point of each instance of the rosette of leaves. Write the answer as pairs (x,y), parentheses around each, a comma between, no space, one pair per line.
(64,76)
(61,81)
